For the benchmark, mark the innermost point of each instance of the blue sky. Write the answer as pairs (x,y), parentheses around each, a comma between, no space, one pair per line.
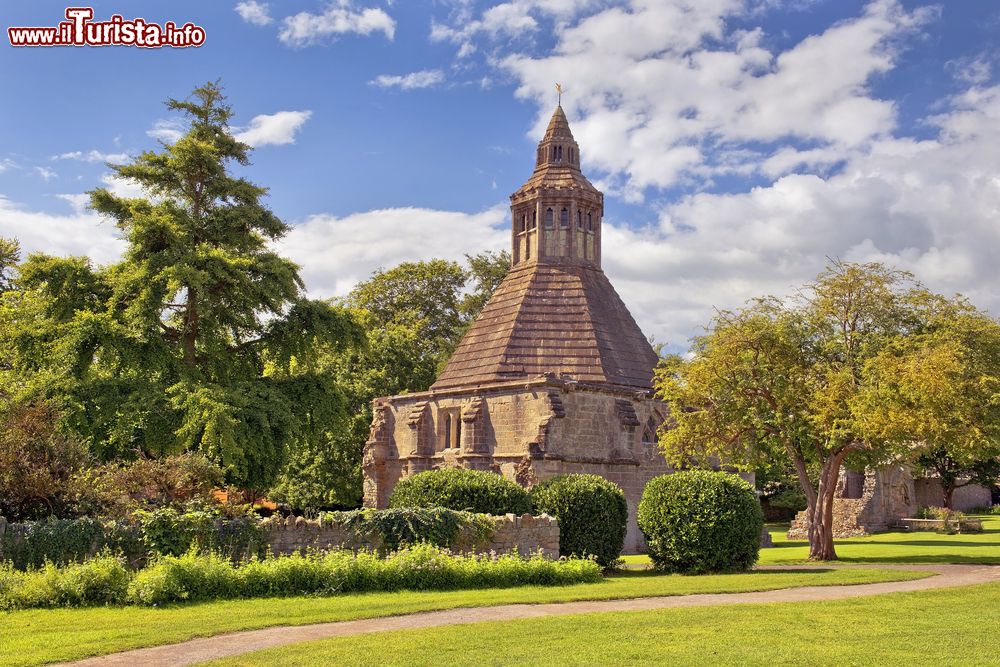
(739,142)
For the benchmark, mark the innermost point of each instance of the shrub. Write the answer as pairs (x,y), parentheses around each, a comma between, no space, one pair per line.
(412,525)
(194,577)
(117,490)
(165,531)
(101,580)
(701,521)
(940,513)
(59,541)
(198,577)
(592,515)
(461,489)
(36,462)
(186,578)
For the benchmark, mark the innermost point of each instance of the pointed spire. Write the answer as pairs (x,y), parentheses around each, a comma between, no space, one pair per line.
(558,127)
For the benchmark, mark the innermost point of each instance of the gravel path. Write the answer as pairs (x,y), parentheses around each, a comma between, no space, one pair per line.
(209,648)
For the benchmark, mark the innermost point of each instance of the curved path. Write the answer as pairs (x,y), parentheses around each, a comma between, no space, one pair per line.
(209,648)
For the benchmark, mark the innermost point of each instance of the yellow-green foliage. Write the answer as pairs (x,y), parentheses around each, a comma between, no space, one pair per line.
(200,577)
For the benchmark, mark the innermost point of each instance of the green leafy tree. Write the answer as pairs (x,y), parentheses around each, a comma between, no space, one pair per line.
(413,316)
(804,381)
(937,392)
(200,338)
(486,270)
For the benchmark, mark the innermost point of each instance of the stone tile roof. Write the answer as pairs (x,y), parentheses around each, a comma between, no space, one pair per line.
(558,127)
(563,320)
(557,175)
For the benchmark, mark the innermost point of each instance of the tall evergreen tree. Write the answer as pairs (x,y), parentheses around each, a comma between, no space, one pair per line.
(200,338)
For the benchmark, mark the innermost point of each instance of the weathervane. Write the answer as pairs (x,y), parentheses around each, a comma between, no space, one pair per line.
(559,91)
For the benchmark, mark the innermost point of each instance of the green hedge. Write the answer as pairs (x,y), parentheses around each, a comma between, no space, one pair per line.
(592,515)
(160,532)
(701,521)
(201,577)
(461,489)
(438,526)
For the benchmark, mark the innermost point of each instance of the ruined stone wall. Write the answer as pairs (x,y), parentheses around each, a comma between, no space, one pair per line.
(887,496)
(526,535)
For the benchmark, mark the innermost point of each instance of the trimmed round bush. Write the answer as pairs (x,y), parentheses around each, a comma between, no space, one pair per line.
(592,515)
(701,521)
(461,489)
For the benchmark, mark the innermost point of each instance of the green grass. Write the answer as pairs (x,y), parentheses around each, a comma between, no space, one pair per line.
(39,636)
(893,547)
(959,626)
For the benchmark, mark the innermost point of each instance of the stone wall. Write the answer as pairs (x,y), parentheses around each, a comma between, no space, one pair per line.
(930,494)
(525,534)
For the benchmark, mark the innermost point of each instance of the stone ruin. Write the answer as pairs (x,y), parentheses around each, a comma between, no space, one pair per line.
(878,499)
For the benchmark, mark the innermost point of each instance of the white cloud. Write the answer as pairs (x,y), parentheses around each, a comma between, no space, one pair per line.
(971,70)
(77,234)
(276,128)
(264,129)
(336,253)
(92,156)
(254,12)
(121,187)
(506,20)
(930,206)
(422,79)
(78,202)
(7,163)
(685,97)
(167,130)
(339,18)
(46,174)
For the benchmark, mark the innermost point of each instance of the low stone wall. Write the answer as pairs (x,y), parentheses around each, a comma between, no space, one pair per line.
(525,534)
(957,525)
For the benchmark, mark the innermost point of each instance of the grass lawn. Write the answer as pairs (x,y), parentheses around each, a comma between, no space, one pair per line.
(39,636)
(959,626)
(894,547)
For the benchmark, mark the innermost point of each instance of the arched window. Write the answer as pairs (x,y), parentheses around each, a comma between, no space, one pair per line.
(649,433)
(571,155)
(579,219)
(564,218)
(524,222)
(559,153)
(650,449)
(447,432)
(553,153)
(590,222)
(534,219)
(548,218)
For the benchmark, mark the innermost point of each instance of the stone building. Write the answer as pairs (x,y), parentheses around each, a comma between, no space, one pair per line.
(553,377)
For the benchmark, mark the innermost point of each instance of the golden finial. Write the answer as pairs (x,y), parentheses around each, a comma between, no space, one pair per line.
(559,92)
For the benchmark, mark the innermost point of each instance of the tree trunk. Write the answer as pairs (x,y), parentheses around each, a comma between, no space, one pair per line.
(189,336)
(949,492)
(821,515)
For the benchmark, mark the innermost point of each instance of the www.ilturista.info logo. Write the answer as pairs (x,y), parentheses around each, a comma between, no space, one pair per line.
(81,30)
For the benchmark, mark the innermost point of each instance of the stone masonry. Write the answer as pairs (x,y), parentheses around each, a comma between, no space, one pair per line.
(867,502)
(553,377)
(526,535)
(881,498)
